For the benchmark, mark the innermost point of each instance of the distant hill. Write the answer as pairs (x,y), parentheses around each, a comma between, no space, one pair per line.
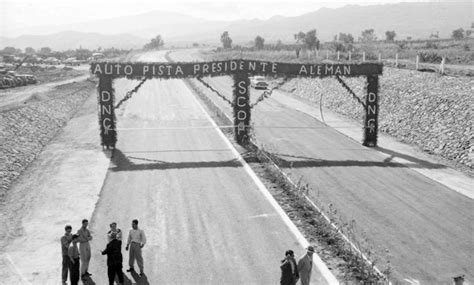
(73,40)
(415,20)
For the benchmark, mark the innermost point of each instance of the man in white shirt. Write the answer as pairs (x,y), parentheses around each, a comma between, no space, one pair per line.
(136,241)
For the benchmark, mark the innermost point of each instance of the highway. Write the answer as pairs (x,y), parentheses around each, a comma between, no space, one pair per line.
(426,227)
(205,219)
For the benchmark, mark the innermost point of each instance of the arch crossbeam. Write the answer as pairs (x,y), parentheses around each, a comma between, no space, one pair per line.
(220,68)
(240,70)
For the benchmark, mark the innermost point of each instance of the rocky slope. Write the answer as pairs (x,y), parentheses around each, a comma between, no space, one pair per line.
(26,130)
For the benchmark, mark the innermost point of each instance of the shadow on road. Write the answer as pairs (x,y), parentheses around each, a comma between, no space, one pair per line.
(123,162)
(142,280)
(301,161)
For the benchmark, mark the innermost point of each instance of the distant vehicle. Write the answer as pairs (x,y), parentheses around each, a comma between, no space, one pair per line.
(258,82)
(72,61)
(97,56)
(10,79)
(52,61)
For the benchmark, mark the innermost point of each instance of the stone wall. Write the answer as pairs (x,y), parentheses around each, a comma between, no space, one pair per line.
(430,111)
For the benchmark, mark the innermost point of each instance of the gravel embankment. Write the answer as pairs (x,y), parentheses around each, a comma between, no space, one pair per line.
(26,130)
(430,111)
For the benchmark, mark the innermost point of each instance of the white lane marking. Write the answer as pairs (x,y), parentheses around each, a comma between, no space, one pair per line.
(412,281)
(24,280)
(327,274)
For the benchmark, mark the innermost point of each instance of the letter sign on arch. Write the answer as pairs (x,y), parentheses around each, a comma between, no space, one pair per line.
(240,70)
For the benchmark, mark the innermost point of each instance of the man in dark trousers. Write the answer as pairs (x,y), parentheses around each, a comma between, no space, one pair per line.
(114,259)
(73,253)
(65,242)
(289,269)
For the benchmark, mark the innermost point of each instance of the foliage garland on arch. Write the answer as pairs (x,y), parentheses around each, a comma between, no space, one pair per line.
(240,69)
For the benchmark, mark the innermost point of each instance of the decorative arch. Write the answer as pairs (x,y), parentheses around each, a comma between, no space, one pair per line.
(240,70)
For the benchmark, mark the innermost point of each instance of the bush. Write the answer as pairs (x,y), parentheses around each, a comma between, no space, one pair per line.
(429,56)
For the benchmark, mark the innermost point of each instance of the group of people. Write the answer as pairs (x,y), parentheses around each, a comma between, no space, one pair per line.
(291,271)
(76,259)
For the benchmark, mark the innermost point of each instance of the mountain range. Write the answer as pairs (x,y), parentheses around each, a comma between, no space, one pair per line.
(415,20)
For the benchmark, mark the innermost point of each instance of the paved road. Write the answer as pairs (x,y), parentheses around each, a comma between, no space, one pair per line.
(427,227)
(204,217)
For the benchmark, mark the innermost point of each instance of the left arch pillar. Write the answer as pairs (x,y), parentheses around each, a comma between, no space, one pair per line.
(107,118)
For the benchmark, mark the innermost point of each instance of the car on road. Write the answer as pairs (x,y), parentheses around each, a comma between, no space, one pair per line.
(52,61)
(258,82)
(72,61)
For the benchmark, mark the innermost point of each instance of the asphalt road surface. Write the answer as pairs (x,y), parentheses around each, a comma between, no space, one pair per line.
(427,228)
(205,220)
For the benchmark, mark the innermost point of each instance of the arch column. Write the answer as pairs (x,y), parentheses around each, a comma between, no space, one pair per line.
(371,111)
(241,107)
(107,118)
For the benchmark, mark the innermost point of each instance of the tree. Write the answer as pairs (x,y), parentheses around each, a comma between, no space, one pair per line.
(311,40)
(368,36)
(458,34)
(390,36)
(45,51)
(155,43)
(299,37)
(30,50)
(226,40)
(279,45)
(9,51)
(83,54)
(346,38)
(259,42)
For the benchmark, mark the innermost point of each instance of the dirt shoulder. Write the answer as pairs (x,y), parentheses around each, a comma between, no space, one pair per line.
(26,129)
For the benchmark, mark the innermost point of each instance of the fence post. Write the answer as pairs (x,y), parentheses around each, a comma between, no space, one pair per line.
(363,56)
(417,63)
(441,67)
(396,60)
(350,56)
(338,55)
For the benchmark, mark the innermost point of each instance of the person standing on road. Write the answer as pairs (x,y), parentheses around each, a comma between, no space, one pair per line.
(136,241)
(114,259)
(65,242)
(73,254)
(289,269)
(116,231)
(305,264)
(84,248)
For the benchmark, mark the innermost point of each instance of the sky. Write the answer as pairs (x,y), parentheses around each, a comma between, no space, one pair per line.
(17,15)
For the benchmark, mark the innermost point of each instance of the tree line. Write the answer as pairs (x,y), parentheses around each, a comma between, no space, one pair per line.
(45,52)
(342,42)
